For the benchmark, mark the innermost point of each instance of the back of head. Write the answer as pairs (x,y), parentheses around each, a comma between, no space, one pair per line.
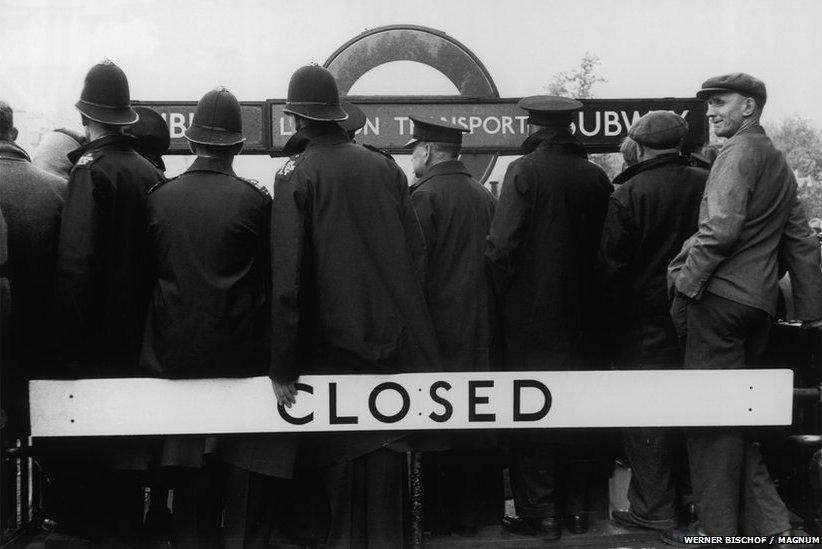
(657,133)
(6,122)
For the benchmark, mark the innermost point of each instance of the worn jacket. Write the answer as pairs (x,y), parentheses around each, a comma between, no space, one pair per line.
(455,214)
(542,248)
(103,270)
(749,213)
(31,207)
(649,217)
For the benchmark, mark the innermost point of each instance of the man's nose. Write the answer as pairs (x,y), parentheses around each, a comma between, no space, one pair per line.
(711,111)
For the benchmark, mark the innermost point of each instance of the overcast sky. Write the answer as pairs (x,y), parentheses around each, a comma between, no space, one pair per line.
(179,50)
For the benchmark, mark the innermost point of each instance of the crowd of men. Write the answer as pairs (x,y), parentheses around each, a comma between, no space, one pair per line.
(113,270)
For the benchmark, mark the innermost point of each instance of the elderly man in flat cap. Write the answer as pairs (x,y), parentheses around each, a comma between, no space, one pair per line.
(650,215)
(725,283)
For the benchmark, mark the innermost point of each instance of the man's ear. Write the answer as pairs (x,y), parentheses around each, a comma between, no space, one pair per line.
(13,134)
(749,108)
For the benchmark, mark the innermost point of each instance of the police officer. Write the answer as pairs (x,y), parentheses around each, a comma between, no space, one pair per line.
(348,263)
(455,213)
(209,236)
(542,249)
(102,289)
(651,213)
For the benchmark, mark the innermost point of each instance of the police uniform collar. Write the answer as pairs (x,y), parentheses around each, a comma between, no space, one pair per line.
(297,142)
(10,149)
(325,134)
(661,160)
(113,141)
(216,165)
(449,167)
(551,137)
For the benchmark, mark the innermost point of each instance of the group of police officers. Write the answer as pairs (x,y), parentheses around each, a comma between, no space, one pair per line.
(348,270)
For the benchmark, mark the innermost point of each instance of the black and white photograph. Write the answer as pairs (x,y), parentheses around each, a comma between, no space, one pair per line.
(371,274)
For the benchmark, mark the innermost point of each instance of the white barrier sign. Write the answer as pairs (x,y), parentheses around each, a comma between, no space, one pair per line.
(473,400)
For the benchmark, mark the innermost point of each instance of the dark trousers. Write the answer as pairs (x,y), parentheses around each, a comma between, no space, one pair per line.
(732,488)
(462,490)
(255,506)
(546,481)
(660,481)
(366,498)
(95,502)
(196,504)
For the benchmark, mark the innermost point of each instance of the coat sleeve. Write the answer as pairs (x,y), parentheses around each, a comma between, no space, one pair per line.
(80,253)
(413,231)
(799,251)
(424,206)
(509,226)
(616,252)
(720,225)
(289,216)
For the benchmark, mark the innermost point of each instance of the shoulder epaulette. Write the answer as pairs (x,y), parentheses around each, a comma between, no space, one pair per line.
(87,159)
(288,168)
(160,184)
(259,187)
(379,151)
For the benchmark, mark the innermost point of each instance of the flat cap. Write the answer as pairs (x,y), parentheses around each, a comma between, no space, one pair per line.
(432,130)
(549,110)
(738,82)
(659,130)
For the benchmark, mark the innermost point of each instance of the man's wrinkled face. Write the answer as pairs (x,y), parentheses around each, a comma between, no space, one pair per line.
(419,157)
(727,111)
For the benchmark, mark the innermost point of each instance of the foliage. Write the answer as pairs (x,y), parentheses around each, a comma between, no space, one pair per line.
(802,145)
(577,83)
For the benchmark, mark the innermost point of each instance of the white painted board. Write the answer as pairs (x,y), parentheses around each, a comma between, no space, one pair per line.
(478,400)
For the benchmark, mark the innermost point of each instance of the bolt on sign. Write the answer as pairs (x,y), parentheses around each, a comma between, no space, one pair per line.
(496,125)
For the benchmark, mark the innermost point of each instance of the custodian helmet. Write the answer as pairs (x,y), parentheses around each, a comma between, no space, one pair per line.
(313,94)
(105,96)
(218,120)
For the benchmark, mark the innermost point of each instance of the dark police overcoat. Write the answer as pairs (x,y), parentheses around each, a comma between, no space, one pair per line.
(650,215)
(209,312)
(348,265)
(103,278)
(455,214)
(208,315)
(542,249)
(103,271)
(31,206)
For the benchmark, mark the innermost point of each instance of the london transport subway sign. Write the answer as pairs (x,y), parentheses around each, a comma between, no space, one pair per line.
(496,125)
